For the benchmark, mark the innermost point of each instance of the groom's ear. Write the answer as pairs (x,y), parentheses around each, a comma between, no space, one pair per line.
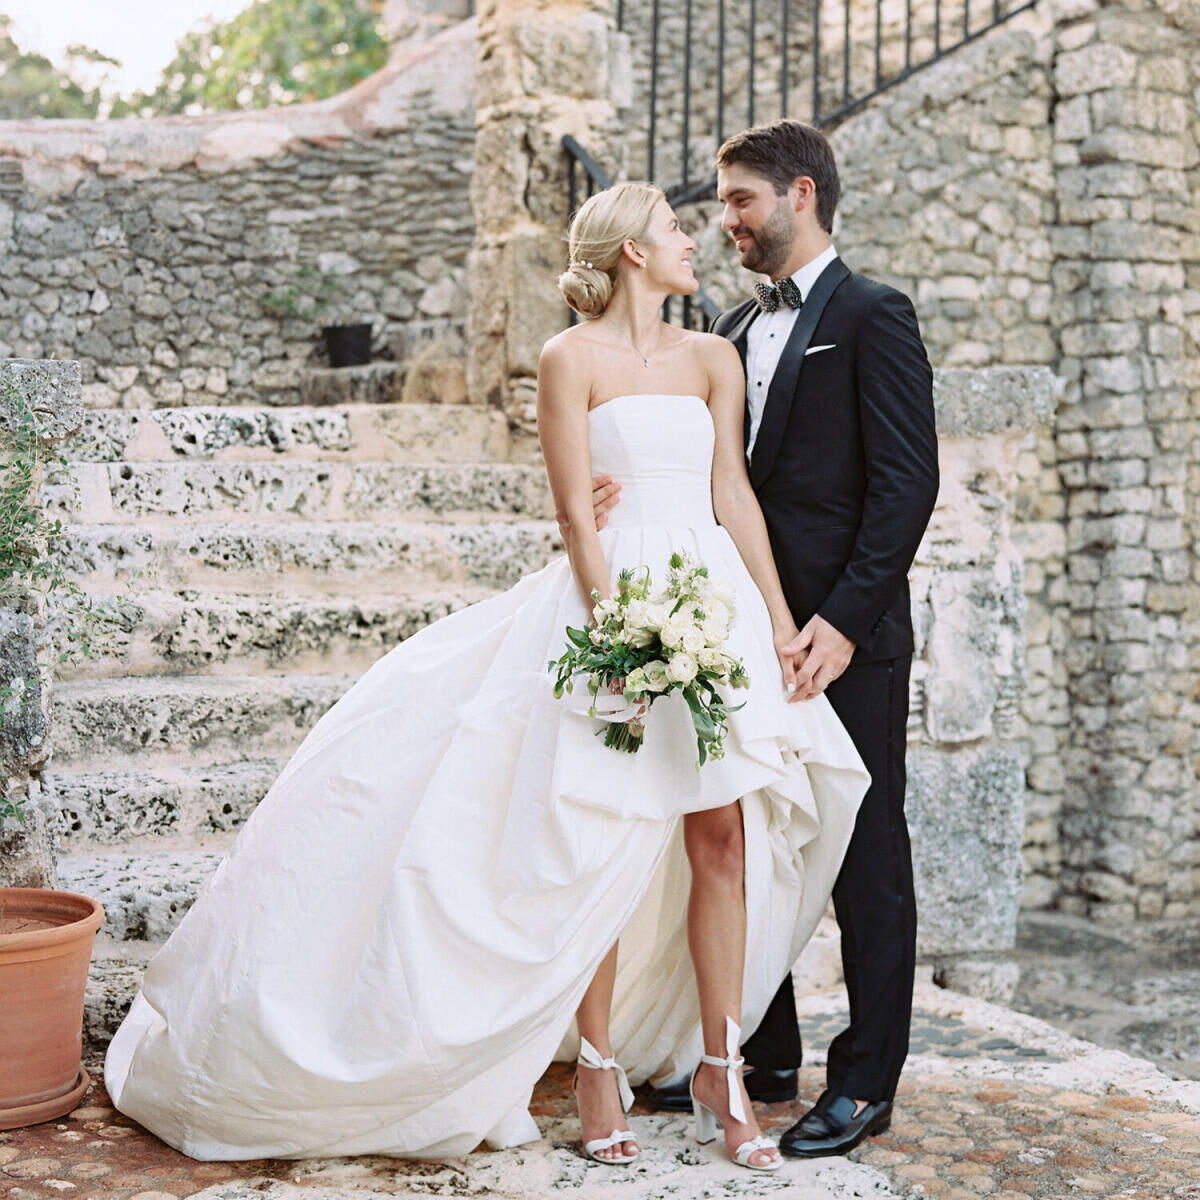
(804,194)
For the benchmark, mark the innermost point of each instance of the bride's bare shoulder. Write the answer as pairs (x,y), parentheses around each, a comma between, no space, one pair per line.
(713,349)
(570,348)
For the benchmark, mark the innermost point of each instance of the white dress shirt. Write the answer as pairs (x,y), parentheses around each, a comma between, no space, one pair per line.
(768,335)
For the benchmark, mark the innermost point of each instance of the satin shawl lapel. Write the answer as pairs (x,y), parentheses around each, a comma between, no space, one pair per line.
(783,386)
(739,326)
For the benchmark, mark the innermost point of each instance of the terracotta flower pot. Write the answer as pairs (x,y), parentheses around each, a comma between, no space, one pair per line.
(45,948)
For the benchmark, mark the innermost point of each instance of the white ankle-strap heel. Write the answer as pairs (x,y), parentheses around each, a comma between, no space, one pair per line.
(590,1058)
(707,1121)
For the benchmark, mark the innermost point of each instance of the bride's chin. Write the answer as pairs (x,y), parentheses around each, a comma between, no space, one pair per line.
(686,288)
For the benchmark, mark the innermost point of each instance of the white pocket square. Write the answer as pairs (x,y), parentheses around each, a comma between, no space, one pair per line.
(818,349)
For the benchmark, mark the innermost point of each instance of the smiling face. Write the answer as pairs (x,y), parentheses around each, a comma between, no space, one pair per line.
(667,252)
(762,223)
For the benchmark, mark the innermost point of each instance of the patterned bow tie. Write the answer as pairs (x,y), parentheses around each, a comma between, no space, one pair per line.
(771,295)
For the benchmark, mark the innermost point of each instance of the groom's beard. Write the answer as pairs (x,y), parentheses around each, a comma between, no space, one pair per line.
(771,245)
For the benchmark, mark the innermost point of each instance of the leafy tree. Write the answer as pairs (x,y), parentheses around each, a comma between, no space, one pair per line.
(32,86)
(275,52)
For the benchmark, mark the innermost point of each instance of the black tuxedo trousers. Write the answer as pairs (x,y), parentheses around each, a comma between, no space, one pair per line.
(845,469)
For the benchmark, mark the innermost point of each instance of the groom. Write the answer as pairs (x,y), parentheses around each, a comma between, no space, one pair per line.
(843,458)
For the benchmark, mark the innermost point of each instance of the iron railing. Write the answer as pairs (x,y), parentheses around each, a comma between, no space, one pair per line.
(814,60)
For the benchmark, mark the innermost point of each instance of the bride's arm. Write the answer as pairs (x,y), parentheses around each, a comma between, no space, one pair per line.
(562,408)
(734,502)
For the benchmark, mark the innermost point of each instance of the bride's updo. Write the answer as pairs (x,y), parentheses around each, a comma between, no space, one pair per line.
(600,228)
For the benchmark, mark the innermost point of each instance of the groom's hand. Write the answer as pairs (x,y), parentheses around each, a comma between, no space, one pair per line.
(828,654)
(606,495)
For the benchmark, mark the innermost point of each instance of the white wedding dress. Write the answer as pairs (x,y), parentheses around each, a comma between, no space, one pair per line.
(394,949)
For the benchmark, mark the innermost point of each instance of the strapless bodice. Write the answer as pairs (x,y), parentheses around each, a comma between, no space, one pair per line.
(660,449)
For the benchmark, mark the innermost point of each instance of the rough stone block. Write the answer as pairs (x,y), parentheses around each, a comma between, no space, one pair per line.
(375,383)
(157,720)
(991,400)
(51,388)
(966,816)
(316,556)
(145,896)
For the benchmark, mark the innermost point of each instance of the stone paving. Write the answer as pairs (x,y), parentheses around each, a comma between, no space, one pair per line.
(994,1103)
(1131,987)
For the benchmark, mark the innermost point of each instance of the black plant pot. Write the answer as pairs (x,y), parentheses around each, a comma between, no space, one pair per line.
(348,345)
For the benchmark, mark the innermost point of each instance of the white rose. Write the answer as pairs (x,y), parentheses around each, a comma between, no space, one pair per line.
(656,676)
(693,641)
(640,626)
(711,660)
(682,668)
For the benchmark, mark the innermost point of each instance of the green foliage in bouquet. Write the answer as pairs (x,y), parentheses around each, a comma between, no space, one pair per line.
(643,646)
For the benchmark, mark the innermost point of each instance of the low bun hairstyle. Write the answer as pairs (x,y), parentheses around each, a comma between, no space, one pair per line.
(604,223)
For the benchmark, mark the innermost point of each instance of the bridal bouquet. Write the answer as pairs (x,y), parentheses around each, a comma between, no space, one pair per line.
(645,646)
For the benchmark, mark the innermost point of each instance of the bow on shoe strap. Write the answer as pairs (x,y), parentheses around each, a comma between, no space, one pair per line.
(733,1063)
(589,1057)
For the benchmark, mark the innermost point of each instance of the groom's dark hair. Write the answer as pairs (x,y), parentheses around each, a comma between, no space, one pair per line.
(783,151)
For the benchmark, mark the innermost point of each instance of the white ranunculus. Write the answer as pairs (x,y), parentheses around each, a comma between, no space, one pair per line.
(682,668)
(711,660)
(693,641)
(656,675)
(674,631)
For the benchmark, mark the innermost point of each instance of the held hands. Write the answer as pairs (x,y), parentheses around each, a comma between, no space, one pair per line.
(606,495)
(819,654)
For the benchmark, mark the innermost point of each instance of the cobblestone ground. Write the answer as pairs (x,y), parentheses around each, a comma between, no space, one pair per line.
(1134,988)
(994,1103)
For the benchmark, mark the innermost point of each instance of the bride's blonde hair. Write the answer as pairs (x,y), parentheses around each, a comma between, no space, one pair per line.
(600,228)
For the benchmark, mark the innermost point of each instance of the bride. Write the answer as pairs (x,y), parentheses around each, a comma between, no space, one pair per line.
(425,909)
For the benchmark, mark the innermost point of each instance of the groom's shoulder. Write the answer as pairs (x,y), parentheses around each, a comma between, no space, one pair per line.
(731,316)
(868,293)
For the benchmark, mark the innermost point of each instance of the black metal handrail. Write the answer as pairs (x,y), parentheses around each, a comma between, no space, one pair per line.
(836,90)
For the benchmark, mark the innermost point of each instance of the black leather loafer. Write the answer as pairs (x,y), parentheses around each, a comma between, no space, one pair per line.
(830,1127)
(762,1084)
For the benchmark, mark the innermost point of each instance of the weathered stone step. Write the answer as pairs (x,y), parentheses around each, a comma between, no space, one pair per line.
(170,806)
(149,722)
(397,433)
(331,558)
(114,976)
(188,632)
(145,896)
(140,492)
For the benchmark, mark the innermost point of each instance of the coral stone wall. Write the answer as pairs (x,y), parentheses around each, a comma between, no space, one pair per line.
(145,249)
(1036,195)
(1127,316)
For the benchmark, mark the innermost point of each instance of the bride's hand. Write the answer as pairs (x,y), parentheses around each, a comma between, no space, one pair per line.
(789,663)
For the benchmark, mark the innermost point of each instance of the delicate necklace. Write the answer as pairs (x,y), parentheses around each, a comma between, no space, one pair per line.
(644,357)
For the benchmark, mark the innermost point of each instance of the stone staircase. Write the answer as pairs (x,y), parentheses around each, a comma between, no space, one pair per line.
(255,561)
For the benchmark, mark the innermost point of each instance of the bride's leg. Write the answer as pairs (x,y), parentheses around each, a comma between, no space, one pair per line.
(717,939)
(600,1109)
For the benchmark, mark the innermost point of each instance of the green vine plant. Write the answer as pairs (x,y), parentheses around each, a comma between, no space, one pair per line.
(311,295)
(33,570)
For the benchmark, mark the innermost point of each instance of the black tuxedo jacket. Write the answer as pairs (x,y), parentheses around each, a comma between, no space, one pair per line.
(845,462)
